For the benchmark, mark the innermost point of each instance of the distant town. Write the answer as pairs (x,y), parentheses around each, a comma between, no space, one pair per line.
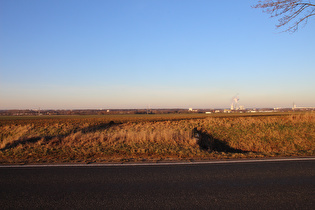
(241,109)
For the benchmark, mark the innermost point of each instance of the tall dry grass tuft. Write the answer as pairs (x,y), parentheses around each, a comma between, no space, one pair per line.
(12,133)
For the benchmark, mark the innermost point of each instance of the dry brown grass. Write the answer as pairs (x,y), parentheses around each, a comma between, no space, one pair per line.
(96,139)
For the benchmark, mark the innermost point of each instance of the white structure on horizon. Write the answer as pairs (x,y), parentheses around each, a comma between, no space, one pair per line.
(296,107)
(234,104)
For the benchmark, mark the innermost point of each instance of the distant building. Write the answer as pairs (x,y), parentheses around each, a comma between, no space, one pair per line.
(192,110)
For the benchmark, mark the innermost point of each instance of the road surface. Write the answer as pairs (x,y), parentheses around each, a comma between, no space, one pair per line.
(249,185)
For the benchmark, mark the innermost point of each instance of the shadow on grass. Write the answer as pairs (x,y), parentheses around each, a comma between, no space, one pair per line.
(209,143)
(90,129)
(99,127)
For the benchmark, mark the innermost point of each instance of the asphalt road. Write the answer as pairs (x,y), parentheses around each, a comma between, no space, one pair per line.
(254,185)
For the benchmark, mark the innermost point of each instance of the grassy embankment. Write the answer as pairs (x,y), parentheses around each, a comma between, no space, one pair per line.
(154,137)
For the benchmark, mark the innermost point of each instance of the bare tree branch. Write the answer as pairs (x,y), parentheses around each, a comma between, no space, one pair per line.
(288,11)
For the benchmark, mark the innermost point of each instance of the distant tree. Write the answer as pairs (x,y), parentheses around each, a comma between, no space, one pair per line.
(291,13)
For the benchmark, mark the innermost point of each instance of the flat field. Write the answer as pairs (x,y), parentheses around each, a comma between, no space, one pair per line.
(167,137)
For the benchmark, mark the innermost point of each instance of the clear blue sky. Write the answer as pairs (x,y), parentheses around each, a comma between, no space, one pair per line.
(73,54)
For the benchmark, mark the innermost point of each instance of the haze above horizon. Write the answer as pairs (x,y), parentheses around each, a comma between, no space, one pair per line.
(118,54)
